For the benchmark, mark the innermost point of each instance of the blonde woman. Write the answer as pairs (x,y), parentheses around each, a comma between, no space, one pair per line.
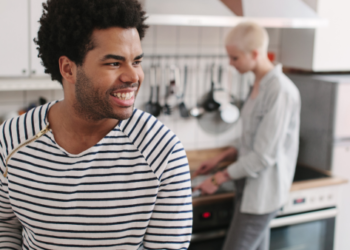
(267,150)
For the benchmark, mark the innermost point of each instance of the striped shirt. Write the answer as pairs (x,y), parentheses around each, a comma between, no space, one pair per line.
(132,189)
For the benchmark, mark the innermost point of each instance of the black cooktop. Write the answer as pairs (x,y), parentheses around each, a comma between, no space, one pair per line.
(303,173)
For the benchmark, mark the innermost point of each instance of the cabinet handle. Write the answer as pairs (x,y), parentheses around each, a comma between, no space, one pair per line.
(24,71)
(33,72)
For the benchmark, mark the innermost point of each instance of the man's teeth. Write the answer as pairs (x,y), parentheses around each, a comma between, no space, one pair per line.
(124,96)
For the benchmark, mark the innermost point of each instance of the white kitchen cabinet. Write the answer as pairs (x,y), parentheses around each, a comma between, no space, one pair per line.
(36,11)
(14,49)
(322,49)
(341,168)
(342,117)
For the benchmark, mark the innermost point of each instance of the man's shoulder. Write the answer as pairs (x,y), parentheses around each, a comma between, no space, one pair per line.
(19,129)
(152,138)
(142,124)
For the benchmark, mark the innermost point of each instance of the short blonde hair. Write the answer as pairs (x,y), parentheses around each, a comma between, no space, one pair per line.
(248,36)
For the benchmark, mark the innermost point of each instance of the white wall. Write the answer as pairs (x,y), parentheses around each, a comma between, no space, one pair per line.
(171,40)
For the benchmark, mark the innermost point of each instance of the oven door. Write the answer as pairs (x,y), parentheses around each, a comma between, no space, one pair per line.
(312,230)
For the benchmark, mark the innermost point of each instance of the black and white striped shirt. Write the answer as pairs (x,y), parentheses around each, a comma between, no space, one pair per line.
(131,189)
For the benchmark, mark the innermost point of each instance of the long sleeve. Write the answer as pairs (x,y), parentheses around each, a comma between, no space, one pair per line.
(170,226)
(272,129)
(10,227)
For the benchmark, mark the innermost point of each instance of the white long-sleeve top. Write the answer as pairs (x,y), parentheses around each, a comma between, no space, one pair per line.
(268,147)
(131,189)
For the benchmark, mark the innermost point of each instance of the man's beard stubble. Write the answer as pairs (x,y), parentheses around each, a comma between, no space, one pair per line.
(91,105)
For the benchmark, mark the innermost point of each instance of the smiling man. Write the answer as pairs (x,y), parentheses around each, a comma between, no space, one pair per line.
(91,171)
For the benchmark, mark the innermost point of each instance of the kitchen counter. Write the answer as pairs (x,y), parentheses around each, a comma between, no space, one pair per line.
(196,157)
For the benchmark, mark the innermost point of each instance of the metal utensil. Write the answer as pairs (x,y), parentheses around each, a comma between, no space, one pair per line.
(166,107)
(156,107)
(197,111)
(182,107)
(210,104)
(149,105)
(220,94)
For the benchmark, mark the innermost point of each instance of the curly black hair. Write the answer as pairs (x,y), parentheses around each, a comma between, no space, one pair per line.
(67,26)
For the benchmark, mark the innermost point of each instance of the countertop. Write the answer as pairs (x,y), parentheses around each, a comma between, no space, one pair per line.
(196,157)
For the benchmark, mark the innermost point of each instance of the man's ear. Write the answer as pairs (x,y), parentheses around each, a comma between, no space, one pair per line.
(68,69)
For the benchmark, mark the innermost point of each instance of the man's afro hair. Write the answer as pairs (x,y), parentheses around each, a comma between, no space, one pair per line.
(67,26)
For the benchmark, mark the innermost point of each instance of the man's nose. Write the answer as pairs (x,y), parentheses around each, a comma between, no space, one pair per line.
(129,75)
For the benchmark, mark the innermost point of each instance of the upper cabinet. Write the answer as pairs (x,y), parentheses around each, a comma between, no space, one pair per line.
(228,13)
(36,10)
(320,50)
(14,48)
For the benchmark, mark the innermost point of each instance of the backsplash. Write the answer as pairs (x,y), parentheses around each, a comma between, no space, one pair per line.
(195,47)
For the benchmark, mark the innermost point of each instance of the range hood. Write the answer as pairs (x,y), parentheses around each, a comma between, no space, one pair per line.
(228,13)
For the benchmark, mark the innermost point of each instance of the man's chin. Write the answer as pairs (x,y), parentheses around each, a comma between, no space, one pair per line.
(124,113)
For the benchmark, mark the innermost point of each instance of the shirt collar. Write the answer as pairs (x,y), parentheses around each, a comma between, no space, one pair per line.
(276,70)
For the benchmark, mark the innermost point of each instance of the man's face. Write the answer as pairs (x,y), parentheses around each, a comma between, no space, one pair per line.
(111,75)
(242,61)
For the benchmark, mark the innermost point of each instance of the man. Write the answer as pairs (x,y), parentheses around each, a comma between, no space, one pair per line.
(90,171)
(268,147)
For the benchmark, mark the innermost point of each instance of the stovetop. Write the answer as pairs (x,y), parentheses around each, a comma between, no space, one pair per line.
(302,173)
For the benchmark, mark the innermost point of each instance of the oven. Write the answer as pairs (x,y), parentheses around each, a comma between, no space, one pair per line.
(306,222)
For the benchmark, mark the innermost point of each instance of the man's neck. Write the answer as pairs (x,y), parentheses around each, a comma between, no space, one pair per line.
(74,133)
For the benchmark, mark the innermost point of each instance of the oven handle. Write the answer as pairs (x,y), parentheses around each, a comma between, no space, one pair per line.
(302,218)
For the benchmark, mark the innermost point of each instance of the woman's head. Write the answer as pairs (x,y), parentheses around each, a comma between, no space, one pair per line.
(246,44)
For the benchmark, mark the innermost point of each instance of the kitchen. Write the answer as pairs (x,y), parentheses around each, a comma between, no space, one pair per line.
(173,47)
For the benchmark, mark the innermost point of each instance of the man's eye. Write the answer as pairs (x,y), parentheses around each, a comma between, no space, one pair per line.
(115,64)
(137,62)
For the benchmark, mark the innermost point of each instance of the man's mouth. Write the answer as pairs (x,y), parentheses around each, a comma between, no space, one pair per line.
(123,95)
(124,98)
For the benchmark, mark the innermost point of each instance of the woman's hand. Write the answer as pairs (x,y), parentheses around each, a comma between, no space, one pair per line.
(211,185)
(207,187)
(229,154)
(206,167)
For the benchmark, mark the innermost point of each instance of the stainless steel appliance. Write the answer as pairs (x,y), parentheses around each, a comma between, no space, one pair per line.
(325,135)
(306,222)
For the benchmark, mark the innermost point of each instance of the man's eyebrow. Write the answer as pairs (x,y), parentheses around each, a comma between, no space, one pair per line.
(115,57)
(139,57)
(119,58)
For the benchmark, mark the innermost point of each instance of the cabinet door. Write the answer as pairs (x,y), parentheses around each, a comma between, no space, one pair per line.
(14,49)
(342,117)
(36,10)
(341,168)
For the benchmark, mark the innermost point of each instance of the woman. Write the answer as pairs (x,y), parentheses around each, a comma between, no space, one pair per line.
(267,149)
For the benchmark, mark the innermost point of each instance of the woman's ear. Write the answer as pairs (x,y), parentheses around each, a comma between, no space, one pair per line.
(68,69)
(255,54)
